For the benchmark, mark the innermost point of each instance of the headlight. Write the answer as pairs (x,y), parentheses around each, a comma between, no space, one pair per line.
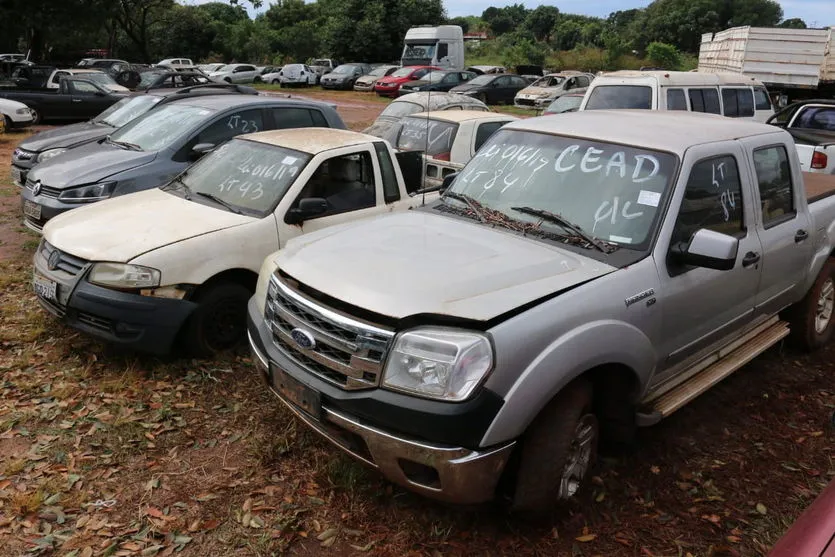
(83,194)
(46,155)
(22,111)
(446,364)
(121,275)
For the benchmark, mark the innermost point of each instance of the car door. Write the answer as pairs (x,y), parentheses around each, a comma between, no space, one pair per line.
(785,233)
(348,181)
(86,100)
(701,306)
(500,88)
(449,81)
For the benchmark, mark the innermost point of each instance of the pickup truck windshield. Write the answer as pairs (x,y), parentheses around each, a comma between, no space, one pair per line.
(605,97)
(612,192)
(434,137)
(126,110)
(162,127)
(246,175)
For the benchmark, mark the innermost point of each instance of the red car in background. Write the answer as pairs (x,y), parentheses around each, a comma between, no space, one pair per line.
(813,534)
(389,86)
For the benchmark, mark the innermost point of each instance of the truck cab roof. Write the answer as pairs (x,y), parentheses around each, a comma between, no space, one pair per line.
(672,131)
(311,140)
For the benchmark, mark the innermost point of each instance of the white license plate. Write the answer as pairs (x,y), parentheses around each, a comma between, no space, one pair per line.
(16,176)
(31,209)
(46,288)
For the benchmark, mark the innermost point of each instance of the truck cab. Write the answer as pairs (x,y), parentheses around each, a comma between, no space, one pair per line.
(441,46)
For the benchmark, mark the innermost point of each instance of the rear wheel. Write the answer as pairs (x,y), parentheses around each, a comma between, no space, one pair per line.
(36,116)
(812,318)
(219,322)
(558,450)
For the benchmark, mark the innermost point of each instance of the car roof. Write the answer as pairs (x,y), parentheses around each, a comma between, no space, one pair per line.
(311,140)
(663,130)
(222,102)
(462,115)
(684,78)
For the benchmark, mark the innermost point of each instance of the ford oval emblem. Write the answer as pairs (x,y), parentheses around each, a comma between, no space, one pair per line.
(303,338)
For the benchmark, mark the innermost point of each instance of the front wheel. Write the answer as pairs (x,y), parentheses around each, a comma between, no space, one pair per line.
(558,450)
(219,322)
(811,319)
(36,116)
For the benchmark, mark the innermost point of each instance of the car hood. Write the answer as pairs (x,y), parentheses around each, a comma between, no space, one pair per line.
(538,91)
(88,164)
(465,87)
(65,136)
(389,80)
(420,263)
(123,228)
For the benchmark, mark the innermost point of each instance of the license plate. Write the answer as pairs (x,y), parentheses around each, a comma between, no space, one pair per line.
(296,392)
(46,288)
(32,209)
(16,176)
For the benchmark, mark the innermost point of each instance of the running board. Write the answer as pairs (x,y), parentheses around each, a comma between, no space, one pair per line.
(662,406)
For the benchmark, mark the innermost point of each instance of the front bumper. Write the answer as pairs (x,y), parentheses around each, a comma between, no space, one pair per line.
(532,103)
(387,91)
(364,87)
(444,472)
(20,121)
(51,207)
(142,323)
(335,84)
(19,171)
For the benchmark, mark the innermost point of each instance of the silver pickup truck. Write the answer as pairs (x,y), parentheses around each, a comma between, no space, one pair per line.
(581,277)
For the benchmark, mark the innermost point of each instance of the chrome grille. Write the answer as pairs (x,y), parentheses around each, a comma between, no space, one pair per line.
(45,191)
(347,352)
(68,263)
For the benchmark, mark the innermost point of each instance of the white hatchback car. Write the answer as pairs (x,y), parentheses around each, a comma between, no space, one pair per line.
(291,74)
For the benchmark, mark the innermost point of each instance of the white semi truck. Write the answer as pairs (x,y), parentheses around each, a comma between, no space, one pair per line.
(441,46)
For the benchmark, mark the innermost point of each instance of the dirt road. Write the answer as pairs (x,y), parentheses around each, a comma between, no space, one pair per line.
(103,452)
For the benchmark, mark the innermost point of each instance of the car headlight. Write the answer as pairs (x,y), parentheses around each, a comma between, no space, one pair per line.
(445,364)
(121,275)
(22,111)
(46,155)
(84,194)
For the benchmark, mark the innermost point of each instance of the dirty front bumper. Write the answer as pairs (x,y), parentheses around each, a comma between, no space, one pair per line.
(445,472)
(142,323)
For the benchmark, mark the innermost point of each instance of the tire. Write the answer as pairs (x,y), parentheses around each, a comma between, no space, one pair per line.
(7,124)
(219,322)
(558,450)
(258,79)
(275,82)
(482,97)
(227,79)
(811,319)
(36,116)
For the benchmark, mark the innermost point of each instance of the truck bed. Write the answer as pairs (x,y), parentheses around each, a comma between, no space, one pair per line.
(818,186)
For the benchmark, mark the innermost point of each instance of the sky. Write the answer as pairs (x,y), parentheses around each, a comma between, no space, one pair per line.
(816,13)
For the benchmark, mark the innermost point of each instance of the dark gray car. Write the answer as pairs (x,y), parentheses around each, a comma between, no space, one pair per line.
(47,144)
(154,148)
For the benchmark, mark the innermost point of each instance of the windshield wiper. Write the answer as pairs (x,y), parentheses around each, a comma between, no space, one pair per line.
(220,201)
(125,144)
(568,225)
(474,205)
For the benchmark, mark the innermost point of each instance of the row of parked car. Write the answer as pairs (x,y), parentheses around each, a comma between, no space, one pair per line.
(448,334)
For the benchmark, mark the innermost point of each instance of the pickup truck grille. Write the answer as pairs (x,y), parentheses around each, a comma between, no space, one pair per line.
(344,351)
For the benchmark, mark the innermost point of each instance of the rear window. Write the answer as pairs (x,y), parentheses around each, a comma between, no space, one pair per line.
(431,136)
(816,118)
(620,96)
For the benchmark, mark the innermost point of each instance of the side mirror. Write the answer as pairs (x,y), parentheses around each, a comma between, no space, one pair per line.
(201,149)
(448,180)
(708,249)
(308,207)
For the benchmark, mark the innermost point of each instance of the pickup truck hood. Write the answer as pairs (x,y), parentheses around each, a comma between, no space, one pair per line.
(88,164)
(123,228)
(418,262)
(65,136)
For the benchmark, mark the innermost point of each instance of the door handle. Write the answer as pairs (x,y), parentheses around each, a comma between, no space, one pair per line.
(800,235)
(750,258)
(76,100)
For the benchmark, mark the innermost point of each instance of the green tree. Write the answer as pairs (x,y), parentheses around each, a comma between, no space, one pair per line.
(664,55)
(566,35)
(462,22)
(506,19)
(541,22)
(793,23)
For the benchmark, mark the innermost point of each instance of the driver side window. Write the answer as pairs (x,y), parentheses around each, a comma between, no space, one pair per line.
(84,88)
(346,183)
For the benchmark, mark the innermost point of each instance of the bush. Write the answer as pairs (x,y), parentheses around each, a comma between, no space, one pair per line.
(664,55)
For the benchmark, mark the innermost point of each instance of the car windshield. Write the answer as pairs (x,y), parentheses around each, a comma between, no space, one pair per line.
(435,77)
(434,137)
(398,109)
(344,68)
(146,79)
(548,81)
(403,72)
(379,72)
(620,96)
(481,80)
(126,110)
(566,103)
(248,175)
(161,128)
(613,192)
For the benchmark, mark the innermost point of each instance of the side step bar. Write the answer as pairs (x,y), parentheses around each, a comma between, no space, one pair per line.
(661,406)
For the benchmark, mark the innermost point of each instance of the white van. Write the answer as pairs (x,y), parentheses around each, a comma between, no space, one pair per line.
(441,46)
(730,94)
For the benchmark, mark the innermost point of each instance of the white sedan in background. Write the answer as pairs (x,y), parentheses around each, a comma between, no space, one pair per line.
(16,114)
(291,74)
